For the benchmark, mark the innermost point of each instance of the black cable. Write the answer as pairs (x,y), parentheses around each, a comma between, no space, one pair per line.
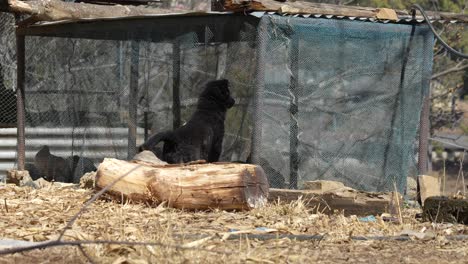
(446,46)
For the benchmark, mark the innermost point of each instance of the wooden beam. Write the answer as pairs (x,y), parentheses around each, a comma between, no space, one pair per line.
(20,101)
(350,201)
(55,10)
(132,98)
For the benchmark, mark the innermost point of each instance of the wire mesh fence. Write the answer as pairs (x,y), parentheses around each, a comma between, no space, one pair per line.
(7,71)
(315,98)
(342,100)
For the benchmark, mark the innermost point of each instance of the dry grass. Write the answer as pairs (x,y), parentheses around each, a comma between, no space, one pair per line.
(38,215)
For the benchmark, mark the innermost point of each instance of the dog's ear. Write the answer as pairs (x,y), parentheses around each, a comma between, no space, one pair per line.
(223,82)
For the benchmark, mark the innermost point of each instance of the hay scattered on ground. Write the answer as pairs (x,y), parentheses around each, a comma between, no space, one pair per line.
(40,214)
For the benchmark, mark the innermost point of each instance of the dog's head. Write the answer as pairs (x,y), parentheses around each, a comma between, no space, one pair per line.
(218,91)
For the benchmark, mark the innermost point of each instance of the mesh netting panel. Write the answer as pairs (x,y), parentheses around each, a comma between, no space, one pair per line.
(79,99)
(7,71)
(341,100)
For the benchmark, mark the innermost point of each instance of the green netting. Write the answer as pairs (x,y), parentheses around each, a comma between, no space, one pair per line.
(342,99)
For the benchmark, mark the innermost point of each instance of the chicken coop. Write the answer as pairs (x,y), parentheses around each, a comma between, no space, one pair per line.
(318,97)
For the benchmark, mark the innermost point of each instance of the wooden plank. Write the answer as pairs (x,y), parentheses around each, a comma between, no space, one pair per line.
(350,201)
(322,186)
(55,10)
(428,187)
(299,7)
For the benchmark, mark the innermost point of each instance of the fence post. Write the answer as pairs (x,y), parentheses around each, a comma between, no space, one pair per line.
(132,99)
(293,112)
(20,112)
(176,84)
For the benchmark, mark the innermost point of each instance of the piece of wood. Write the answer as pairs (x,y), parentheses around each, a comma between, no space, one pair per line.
(429,186)
(227,186)
(322,186)
(445,209)
(386,14)
(350,201)
(54,10)
(299,7)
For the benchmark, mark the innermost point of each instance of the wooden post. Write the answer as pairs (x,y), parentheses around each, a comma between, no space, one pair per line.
(132,99)
(424,136)
(176,85)
(424,122)
(20,112)
(120,70)
(293,112)
(147,80)
(221,59)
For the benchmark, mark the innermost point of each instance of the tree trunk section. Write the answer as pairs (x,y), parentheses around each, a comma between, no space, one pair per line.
(227,186)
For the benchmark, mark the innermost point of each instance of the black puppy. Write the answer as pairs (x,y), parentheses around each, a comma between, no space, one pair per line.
(202,136)
(51,167)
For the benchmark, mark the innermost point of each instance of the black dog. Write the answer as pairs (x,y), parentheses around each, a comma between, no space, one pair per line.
(51,167)
(202,136)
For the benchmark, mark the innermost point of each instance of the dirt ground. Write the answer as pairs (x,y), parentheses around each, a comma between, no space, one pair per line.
(204,237)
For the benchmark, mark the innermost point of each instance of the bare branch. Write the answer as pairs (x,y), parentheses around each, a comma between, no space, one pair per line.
(56,243)
(457,68)
(90,201)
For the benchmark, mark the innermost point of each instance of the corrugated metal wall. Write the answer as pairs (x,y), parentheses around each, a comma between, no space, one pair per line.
(105,142)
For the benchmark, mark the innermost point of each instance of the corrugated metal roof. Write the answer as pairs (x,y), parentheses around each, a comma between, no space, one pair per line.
(252,13)
(369,19)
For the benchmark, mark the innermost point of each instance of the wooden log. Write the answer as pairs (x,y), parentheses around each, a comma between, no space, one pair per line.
(298,7)
(445,209)
(54,10)
(350,201)
(227,186)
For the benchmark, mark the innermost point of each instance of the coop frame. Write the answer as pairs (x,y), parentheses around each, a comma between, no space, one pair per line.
(134,29)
